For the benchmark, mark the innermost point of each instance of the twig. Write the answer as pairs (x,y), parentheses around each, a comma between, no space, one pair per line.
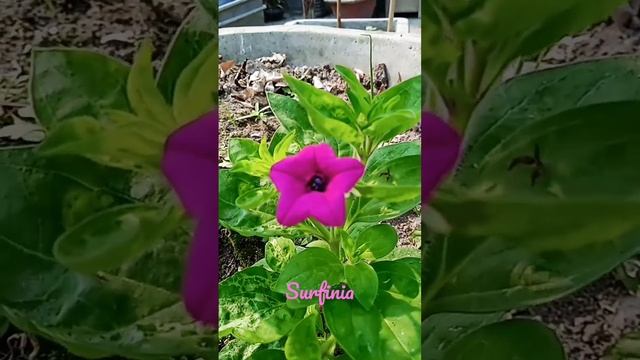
(338,16)
(392,11)
(373,86)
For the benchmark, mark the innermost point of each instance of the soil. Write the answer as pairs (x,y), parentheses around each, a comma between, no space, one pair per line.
(110,27)
(237,252)
(593,320)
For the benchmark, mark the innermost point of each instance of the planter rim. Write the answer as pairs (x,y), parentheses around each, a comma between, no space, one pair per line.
(312,29)
(400,24)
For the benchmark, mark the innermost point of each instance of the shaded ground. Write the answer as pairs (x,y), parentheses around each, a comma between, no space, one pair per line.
(111,27)
(593,320)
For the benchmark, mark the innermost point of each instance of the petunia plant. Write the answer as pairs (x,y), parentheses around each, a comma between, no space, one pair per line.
(543,198)
(93,237)
(320,192)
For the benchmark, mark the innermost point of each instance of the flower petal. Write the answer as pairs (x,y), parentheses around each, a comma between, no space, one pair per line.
(190,165)
(329,208)
(290,211)
(441,149)
(285,181)
(297,203)
(345,175)
(301,166)
(200,289)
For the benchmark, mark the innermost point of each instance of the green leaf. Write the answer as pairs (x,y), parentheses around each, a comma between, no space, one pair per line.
(406,96)
(386,154)
(319,244)
(400,277)
(512,217)
(4,325)
(302,343)
(247,223)
(67,83)
(441,331)
(389,330)
(254,198)
(278,252)
(500,259)
(539,96)
(347,243)
(254,167)
(269,354)
(322,102)
(250,311)
(359,97)
(113,237)
(338,130)
(309,269)
(196,87)
(376,242)
(211,6)
(403,252)
(396,180)
(280,150)
(237,350)
(507,340)
(387,126)
(488,274)
(144,97)
(242,149)
(627,348)
(125,143)
(141,317)
(195,32)
(390,193)
(328,114)
(362,279)
(389,169)
(291,115)
(374,211)
(263,151)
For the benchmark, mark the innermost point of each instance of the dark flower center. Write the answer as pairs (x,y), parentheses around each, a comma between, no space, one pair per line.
(317,183)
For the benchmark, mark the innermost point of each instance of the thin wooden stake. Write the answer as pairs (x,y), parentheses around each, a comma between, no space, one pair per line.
(338,17)
(392,12)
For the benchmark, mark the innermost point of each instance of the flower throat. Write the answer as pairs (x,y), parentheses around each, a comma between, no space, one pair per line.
(317,183)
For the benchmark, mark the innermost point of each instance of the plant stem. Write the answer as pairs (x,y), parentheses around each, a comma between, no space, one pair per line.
(326,235)
(334,243)
(328,347)
(371,79)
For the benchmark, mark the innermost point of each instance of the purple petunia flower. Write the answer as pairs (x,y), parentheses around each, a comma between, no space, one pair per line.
(190,164)
(441,149)
(314,184)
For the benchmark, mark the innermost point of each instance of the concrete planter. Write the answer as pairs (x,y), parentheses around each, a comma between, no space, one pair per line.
(319,45)
(400,25)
